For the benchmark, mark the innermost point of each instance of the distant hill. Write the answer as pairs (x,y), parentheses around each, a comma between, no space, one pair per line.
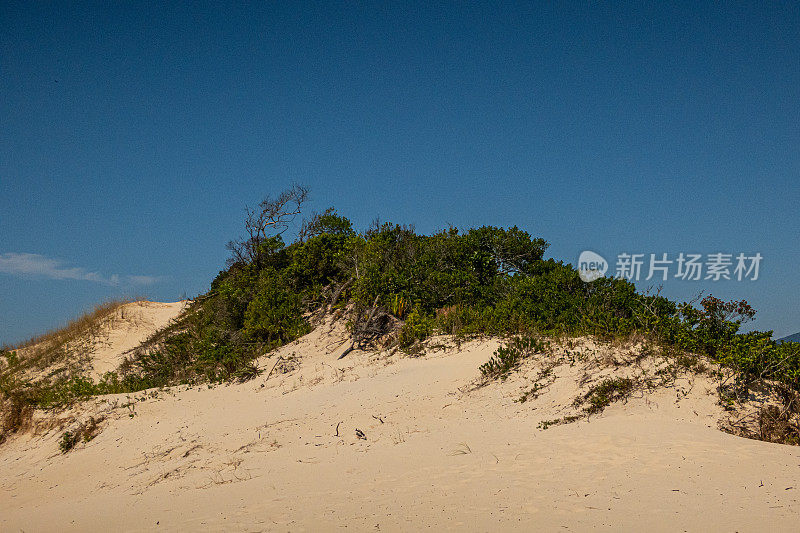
(791,338)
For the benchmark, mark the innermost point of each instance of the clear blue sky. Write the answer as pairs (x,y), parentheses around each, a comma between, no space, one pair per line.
(132,135)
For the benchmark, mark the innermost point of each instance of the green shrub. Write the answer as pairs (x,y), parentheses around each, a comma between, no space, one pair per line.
(755,356)
(417,327)
(274,315)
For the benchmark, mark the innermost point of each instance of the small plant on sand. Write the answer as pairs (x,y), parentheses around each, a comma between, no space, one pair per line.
(247,372)
(545,424)
(68,441)
(778,425)
(777,421)
(462,449)
(85,432)
(417,327)
(544,379)
(509,357)
(605,393)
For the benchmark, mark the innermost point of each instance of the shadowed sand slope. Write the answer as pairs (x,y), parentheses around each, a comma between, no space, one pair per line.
(281,452)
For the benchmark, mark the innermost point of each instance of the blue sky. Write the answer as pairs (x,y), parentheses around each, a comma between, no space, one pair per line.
(132,135)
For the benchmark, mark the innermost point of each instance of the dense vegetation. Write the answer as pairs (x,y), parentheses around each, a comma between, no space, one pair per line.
(397,287)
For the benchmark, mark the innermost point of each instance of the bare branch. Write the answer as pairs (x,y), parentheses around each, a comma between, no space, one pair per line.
(271,218)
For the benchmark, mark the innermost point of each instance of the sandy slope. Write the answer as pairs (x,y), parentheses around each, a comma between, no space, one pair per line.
(439,453)
(110,341)
(133,324)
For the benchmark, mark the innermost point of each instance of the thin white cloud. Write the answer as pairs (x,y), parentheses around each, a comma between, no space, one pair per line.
(145,280)
(35,265)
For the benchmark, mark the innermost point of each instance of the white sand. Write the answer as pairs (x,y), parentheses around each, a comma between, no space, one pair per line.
(439,454)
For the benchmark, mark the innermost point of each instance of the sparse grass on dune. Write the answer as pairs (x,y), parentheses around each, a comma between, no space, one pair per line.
(45,370)
(761,407)
(44,350)
(15,412)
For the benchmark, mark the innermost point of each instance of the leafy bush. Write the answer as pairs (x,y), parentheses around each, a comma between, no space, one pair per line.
(264,298)
(274,315)
(417,327)
(754,356)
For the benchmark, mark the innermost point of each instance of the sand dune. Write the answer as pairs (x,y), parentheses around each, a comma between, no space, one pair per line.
(281,452)
(105,344)
(132,325)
